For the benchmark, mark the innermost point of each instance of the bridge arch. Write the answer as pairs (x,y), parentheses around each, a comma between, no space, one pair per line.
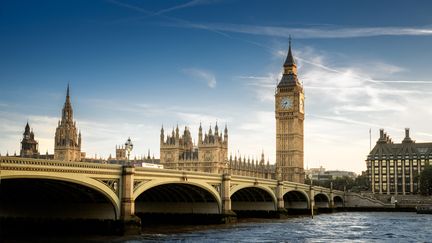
(296,199)
(252,198)
(322,200)
(338,201)
(95,190)
(177,197)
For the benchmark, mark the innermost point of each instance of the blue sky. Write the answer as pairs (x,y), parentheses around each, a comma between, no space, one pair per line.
(135,65)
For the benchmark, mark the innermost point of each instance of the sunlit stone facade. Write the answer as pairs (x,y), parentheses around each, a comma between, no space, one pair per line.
(67,141)
(289,112)
(393,168)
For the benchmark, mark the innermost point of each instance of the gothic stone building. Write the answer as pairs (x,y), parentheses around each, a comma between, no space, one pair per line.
(253,168)
(121,158)
(29,146)
(67,141)
(393,168)
(210,155)
(289,111)
(179,152)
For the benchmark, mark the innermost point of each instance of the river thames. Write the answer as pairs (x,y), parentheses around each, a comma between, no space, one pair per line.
(336,227)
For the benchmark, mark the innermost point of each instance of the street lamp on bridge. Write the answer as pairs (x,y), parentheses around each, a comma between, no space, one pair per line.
(129,147)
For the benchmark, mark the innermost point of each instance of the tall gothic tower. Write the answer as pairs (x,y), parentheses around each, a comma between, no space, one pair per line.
(289,111)
(67,142)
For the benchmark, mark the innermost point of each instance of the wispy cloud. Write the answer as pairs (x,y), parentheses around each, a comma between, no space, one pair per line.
(189,4)
(173,20)
(202,75)
(316,32)
(262,86)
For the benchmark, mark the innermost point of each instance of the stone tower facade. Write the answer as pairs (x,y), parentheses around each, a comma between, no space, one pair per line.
(67,142)
(120,152)
(289,111)
(179,152)
(29,146)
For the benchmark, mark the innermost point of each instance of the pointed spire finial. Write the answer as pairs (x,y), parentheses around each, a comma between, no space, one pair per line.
(67,91)
(289,61)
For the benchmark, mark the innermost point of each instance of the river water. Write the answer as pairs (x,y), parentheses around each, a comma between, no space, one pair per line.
(336,227)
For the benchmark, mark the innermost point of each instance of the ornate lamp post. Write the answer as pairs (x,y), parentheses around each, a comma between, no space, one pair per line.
(129,147)
(311,195)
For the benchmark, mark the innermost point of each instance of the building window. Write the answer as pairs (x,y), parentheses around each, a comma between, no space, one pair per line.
(399,163)
(391,170)
(376,163)
(384,170)
(384,178)
(414,163)
(384,163)
(391,163)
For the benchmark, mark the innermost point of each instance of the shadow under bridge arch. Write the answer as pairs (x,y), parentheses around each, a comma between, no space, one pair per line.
(321,200)
(56,198)
(253,198)
(338,202)
(177,198)
(296,200)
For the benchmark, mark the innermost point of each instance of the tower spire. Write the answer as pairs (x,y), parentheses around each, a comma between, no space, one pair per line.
(67,115)
(289,77)
(289,61)
(67,91)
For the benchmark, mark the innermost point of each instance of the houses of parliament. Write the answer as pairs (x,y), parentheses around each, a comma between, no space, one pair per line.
(210,153)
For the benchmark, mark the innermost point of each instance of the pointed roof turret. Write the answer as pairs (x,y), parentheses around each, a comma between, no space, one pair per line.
(67,115)
(289,77)
(27,129)
(289,61)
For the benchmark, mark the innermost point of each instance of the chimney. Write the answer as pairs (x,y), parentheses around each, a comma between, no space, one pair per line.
(407,133)
(407,138)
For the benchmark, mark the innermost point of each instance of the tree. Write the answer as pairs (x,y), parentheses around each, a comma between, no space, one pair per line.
(426,181)
(360,183)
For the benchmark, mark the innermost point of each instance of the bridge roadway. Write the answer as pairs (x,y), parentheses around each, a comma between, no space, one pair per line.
(49,188)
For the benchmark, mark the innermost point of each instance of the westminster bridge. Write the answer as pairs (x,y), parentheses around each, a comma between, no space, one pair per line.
(36,188)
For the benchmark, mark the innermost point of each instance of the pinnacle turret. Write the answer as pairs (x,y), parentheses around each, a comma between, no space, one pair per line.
(27,129)
(67,114)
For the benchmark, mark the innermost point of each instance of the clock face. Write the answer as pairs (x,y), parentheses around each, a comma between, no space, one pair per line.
(286,103)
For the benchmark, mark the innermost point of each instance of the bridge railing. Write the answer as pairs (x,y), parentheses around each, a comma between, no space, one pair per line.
(17,163)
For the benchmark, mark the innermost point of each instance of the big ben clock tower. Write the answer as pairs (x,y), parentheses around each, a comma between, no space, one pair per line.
(289,111)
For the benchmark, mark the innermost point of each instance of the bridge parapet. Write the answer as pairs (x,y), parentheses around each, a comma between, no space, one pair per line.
(16,163)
